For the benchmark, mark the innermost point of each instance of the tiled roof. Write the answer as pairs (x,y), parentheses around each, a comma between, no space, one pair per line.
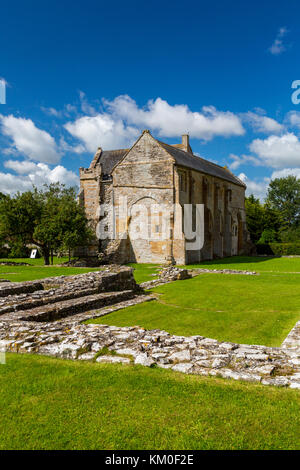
(188,160)
(110,158)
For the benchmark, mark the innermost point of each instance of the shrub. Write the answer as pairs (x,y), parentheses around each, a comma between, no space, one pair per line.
(278,249)
(18,250)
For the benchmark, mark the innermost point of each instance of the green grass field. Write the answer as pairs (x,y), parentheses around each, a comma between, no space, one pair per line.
(48,403)
(37,270)
(245,309)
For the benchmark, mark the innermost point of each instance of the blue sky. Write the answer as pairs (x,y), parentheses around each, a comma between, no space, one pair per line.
(83,74)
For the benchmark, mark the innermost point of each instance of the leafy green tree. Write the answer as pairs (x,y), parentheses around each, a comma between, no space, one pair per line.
(268,236)
(49,218)
(284,196)
(255,217)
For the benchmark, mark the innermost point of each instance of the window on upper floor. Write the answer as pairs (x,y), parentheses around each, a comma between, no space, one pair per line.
(182,180)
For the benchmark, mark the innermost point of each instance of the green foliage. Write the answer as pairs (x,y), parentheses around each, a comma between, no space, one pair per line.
(263,222)
(255,217)
(284,196)
(268,235)
(18,250)
(278,249)
(49,218)
(292,235)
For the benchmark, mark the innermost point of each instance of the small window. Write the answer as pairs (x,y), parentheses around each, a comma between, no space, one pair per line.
(182,181)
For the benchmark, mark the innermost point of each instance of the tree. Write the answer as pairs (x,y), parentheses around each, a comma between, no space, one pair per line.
(254,217)
(284,196)
(263,222)
(49,218)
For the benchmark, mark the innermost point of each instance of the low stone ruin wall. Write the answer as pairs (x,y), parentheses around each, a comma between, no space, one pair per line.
(14,288)
(191,355)
(28,324)
(55,297)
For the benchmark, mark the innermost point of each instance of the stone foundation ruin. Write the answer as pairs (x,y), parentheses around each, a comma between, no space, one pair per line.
(45,317)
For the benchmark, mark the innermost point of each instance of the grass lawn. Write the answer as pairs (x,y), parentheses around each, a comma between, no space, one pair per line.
(144,272)
(49,403)
(245,309)
(253,263)
(37,270)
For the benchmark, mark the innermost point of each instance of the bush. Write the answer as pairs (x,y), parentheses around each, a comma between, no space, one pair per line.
(278,249)
(19,251)
(268,236)
(4,252)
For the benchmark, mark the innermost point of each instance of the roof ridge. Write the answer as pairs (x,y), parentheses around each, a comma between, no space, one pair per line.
(195,158)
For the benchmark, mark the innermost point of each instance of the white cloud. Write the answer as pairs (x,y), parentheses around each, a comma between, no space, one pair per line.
(242,160)
(66,147)
(122,121)
(278,151)
(261,123)
(52,112)
(256,187)
(29,140)
(22,168)
(286,172)
(86,108)
(173,121)
(278,46)
(102,131)
(293,118)
(30,174)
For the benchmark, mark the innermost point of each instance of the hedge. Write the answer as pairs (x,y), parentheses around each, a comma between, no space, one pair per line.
(279,249)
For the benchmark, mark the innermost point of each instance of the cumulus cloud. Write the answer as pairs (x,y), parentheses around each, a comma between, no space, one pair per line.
(102,131)
(31,174)
(261,123)
(286,172)
(278,46)
(122,121)
(292,118)
(256,187)
(172,121)
(242,160)
(29,140)
(278,151)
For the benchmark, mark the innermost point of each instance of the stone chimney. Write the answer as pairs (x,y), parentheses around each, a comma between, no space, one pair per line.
(186,143)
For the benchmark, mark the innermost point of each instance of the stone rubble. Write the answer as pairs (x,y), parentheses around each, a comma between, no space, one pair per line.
(69,338)
(191,355)
(173,273)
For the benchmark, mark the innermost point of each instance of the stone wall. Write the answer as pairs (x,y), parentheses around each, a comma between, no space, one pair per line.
(148,175)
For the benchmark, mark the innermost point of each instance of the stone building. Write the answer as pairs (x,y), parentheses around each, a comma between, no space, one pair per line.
(167,177)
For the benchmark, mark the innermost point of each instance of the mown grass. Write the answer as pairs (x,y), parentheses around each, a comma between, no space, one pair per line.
(253,263)
(48,403)
(244,309)
(35,262)
(145,272)
(37,270)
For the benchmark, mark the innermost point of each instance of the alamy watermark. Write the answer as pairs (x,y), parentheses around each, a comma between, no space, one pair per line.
(2,91)
(152,222)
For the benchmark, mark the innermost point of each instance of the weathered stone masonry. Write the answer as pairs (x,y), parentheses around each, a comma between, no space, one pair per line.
(152,172)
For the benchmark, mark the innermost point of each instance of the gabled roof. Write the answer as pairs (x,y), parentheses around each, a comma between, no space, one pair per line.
(109,159)
(194,162)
